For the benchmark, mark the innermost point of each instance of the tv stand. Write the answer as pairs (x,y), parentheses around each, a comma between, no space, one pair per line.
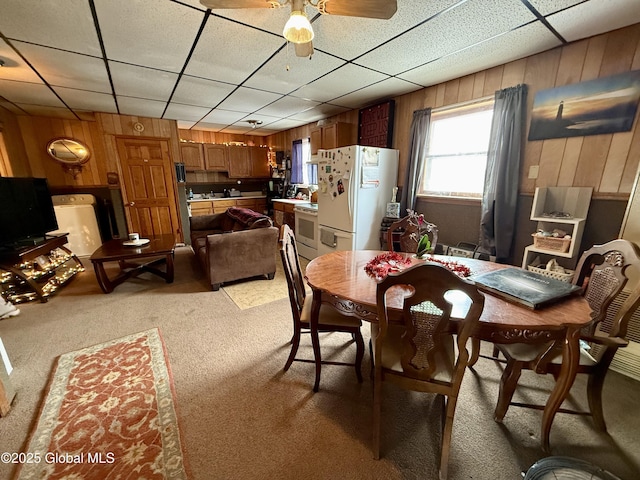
(37,271)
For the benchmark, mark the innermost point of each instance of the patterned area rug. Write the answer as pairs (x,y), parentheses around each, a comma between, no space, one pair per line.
(109,413)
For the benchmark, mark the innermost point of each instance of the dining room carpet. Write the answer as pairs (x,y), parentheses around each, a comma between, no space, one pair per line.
(249,293)
(109,411)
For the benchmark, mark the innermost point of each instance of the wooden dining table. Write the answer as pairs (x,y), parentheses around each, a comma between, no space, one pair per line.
(339,279)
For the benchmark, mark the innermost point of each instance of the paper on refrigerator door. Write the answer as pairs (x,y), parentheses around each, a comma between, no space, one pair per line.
(370,168)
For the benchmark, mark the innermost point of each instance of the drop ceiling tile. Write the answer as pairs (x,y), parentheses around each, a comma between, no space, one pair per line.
(248,100)
(155,34)
(15,68)
(546,7)
(285,72)
(209,127)
(67,69)
(377,92)
(184,125)
(88,101)
(48,111)
(467,24)
(177,111)
(230,52)
(271,20)
(350,37)
(505,48)
(323,110)
(29,93)
(344,80)
(68,26)
(224,117)
(287,106)
(11,107)
(595,17)
(140,107)
(201,92)
(133,81)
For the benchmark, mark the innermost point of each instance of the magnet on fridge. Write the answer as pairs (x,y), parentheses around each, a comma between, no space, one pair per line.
(335,194)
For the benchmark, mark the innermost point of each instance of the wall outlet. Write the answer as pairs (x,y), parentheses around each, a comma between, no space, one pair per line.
(533,171)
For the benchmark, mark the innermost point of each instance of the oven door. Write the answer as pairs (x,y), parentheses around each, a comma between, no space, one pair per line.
(306,232)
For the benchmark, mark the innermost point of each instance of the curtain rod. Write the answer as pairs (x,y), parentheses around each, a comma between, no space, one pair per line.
(463,104)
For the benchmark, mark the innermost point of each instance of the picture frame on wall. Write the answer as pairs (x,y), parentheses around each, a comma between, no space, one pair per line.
(595,107)
(375,125)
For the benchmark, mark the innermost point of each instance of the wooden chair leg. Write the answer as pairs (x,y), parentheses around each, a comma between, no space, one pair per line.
(377,406)
(359,354)
(508,384)
(295,343)
(475,352)
(447,430)
(594,395)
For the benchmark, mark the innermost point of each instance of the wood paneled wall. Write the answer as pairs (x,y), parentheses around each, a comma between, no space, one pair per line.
(98,135)
(14,156)
(605,162)
(203,136)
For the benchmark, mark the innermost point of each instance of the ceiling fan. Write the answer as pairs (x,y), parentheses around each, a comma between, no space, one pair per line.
(298,29)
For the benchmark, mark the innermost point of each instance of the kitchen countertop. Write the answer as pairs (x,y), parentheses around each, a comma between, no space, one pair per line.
(290,201)
(224,198)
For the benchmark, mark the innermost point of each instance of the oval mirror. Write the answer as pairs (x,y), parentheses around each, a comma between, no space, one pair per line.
(70,153)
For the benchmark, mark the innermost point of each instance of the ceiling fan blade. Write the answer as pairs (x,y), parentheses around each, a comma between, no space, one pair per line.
(304,49)
(384,9)
(219,4)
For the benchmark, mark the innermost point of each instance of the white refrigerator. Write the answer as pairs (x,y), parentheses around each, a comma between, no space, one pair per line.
(355,184)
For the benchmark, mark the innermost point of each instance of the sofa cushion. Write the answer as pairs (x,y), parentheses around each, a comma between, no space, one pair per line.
(247,218)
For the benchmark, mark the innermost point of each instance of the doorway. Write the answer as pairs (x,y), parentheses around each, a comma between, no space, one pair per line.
(148,186)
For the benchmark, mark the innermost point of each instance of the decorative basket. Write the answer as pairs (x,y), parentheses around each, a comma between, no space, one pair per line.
(565,276)
(551,243)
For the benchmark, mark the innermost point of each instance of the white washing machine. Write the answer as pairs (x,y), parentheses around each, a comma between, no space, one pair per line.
(76,216)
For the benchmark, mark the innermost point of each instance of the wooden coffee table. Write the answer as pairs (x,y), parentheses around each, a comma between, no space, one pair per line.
(114,251)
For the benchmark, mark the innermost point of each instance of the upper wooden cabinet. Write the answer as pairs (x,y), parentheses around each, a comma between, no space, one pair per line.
(216,157)
(192,156)
(333,135)
(248,162)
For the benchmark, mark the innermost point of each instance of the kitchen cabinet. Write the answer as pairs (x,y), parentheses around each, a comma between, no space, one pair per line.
(220,206)
(549,203)
(333,135)
(283,214)
(192,156)
(248,162)
(201,208)
(256,204)
(216,157)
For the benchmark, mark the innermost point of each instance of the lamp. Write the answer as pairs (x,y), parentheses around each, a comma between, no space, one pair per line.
(253,123)
(298,29)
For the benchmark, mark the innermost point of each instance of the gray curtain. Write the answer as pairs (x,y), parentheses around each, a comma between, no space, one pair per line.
(500,197)
(418,139)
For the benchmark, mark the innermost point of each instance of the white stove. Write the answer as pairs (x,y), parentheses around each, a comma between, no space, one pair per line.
(307,229)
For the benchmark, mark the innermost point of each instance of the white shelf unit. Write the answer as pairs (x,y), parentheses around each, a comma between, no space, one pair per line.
(572,200)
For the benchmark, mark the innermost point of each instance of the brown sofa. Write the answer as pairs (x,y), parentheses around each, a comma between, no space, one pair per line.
(234,245)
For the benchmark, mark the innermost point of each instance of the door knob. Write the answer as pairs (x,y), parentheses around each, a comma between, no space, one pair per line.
(131,204)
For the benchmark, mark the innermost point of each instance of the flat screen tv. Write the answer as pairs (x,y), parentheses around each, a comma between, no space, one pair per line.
(26,211)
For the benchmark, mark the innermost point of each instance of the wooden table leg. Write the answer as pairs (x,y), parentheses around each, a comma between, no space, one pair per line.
(101,276)
(315,339)
(568,370)
(169,274)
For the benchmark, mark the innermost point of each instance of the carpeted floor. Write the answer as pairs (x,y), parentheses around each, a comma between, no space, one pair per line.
(243,418)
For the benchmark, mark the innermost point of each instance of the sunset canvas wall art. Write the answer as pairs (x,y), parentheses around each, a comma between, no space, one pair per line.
(594,107)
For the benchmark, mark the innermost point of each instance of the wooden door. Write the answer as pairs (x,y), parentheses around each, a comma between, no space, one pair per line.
(148,186)
(216,157)
(192,156)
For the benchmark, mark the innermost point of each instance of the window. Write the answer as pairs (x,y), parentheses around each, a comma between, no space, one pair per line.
(303,172)
(457,151)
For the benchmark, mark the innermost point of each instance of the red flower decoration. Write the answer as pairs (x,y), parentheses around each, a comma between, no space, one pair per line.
(381,265)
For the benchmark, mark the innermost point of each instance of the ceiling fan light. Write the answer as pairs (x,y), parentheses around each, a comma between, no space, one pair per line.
(298,29)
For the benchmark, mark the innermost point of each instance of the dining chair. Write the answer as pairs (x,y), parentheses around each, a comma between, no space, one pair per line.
(421,349)
(407,235)
(330,320)
(602,272)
